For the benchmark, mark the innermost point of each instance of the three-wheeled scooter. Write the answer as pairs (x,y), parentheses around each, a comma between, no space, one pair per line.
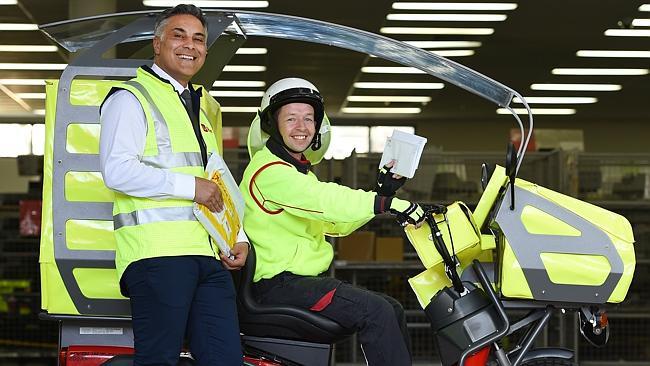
(538,249)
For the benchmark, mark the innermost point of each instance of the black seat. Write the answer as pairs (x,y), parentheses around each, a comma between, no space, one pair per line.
(280,321)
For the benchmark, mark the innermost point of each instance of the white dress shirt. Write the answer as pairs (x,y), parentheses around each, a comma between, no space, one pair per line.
(121,146)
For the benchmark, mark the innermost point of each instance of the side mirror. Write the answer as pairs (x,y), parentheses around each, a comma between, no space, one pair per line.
(511,171)
(486,173)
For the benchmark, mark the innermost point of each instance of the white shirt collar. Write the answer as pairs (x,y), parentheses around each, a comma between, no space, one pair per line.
(179,88)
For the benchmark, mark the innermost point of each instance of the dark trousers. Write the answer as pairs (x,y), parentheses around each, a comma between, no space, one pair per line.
(378,319)
(172,295)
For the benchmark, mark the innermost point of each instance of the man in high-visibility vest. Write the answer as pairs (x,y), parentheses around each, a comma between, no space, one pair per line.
(156,137)
(289,212)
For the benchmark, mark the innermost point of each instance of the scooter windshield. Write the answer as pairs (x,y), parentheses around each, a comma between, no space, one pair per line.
(86,32)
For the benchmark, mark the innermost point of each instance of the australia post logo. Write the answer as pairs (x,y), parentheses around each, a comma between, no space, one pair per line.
(205,128)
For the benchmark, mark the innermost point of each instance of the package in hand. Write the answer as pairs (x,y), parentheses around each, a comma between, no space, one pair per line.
(405,149)
(222,226)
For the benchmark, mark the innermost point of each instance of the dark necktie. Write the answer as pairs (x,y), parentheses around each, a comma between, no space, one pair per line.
(187,100)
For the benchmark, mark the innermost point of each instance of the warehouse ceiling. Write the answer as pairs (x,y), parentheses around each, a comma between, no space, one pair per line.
(521,44)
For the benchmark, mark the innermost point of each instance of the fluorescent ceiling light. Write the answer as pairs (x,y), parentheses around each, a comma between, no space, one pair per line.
(26,48)
(628,32)
(380,110)
(31,95)
(252,51)
(608,53)
(557,100)
(453,6)
(538,111)
(577,87)
(40,112)
(444,44)
(239,84)
(18,27)
(641,23)
(239,109)
(417,30)
(244,68)
(385,85)
(207,3)
(391,70)
(449,17)
(453,53)
(388,98)
(237,93)
(22,81)
(586,71)
(28,66)
(644,7)
(8,2)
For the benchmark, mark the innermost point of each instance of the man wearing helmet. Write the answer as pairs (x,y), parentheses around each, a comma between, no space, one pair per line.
(289,212)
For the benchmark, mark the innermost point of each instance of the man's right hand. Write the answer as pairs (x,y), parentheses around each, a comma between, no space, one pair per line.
(407,212)
(207,193)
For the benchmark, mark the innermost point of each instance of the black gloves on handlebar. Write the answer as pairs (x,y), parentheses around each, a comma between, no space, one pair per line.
(386,184)
(405,212)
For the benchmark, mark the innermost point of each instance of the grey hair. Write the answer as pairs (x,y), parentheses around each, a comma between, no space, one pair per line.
(189,9)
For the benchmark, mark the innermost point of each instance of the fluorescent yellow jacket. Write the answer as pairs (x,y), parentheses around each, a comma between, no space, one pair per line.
(288,214)
(146,228)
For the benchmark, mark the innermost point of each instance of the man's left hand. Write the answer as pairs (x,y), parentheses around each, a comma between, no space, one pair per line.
(239,251)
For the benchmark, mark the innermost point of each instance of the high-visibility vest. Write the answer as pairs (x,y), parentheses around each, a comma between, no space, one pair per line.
(146,228)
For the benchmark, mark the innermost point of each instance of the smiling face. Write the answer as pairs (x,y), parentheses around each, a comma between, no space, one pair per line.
(181,48)
(296,126)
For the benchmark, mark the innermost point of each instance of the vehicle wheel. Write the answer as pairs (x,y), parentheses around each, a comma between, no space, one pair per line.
(550,361)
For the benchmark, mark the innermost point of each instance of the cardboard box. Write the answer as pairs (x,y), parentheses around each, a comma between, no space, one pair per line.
(358,246)
(389,249)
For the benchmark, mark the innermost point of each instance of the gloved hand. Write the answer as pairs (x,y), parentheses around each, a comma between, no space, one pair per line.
(406,212)
(387,184)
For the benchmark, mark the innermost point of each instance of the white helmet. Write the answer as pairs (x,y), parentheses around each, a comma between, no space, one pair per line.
(285,91)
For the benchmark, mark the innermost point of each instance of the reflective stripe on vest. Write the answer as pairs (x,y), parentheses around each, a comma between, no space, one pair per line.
(153,215)
(159,123)
(166,159)
(173,160)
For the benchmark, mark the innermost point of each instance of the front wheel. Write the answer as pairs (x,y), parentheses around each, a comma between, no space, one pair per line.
(549,361)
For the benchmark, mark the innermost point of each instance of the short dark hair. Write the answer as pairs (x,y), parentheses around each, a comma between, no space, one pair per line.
(179,9)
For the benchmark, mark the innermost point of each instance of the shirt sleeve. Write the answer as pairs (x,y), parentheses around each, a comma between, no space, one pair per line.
(241,236)
(121,146)
(282,187)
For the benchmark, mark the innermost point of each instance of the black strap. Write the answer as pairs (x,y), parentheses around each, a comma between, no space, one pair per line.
(439,244)
(189,107)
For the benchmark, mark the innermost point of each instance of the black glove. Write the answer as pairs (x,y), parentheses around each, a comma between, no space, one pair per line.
(406,212)
(387,185)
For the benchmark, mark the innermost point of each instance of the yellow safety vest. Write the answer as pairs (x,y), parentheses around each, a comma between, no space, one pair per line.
(146,228)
